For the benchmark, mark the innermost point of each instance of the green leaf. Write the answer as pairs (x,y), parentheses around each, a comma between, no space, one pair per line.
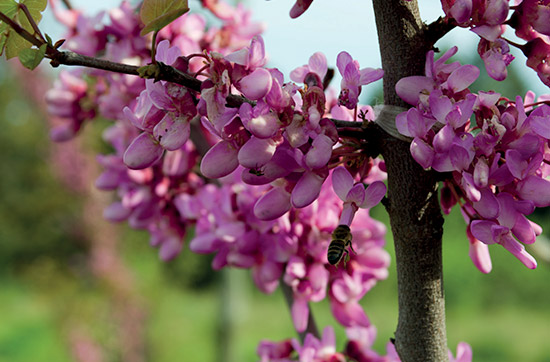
(10,41)
(156,14)
(8,7)
(31,57)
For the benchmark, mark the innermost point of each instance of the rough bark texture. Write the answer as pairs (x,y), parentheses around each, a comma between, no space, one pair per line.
(413,206)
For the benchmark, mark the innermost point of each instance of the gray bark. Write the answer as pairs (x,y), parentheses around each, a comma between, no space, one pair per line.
(413,205)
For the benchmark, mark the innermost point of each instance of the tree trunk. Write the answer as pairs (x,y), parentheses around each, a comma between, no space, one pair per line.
(413,206)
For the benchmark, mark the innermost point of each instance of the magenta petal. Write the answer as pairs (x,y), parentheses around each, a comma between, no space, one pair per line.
(535,189)
(401,122)
(481,174)
(410,88)
(369,75)
(220,160)
(479,254)
(116,212)
(518,250)
(523,230)
(239,57)
(157,93)
(264,126)
(170,248)
(461,11)
(143,152)
(256,152)
(460,158)
(307,189)
(417,124)
(298,74)
(481,230)
(516,164)
(63,132)
(256,57)
(318,64)
(469,188)
(172,133)
(204,244)
(463,352)
(272,204)
(256,85)
(422,152)
(487,206)
(488,32)
(299,8)
(462,77)
(374,194)
(443,140)
(356,195)
(350,314)
(440,105)
(342,61)
(266,276)
(320,152)
(342,182)
(300,314)
(540,125)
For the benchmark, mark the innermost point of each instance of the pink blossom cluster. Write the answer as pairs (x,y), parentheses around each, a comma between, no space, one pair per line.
(359,348)
(280,141)
(291,249)
(153,159)
(495,150)
(489,18)
(284,137)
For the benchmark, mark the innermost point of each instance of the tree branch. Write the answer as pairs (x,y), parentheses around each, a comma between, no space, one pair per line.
(437,29)
(413,206)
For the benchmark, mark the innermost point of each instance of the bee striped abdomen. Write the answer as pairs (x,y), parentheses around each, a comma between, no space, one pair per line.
(341,238)
(336,251)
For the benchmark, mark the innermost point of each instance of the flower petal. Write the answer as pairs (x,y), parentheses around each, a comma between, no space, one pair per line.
(143,152)
(220,160)
(374,194)
(342,182)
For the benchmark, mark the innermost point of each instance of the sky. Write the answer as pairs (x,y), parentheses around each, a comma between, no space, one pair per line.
(328,26)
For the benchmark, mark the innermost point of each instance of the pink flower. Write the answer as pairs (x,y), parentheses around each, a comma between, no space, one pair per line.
(353,79)
(496,57)
(314,350)
(463,353)
(355,195)
(317,64)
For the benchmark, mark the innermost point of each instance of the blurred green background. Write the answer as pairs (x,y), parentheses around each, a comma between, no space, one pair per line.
(64,298)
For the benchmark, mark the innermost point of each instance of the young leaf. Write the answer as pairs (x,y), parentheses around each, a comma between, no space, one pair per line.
(10,41)
(156,14)
(31,57)
(8,7)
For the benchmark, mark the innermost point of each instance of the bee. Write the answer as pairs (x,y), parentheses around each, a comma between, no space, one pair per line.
(341,238)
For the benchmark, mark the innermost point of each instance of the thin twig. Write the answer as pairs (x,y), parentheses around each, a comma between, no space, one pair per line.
(437,29)
(31,21)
